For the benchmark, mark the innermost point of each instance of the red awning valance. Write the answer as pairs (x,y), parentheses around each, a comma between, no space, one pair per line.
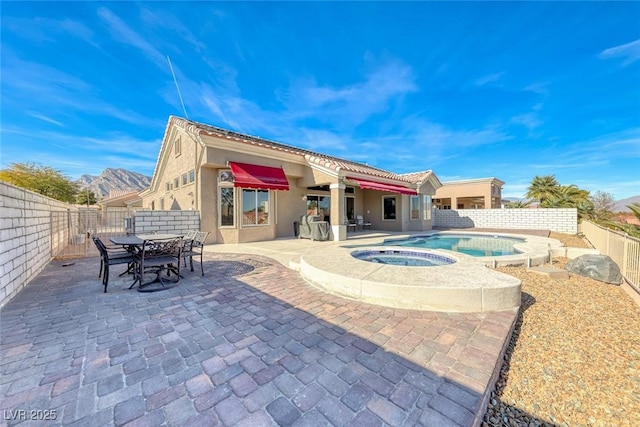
(260,177)
(370,185)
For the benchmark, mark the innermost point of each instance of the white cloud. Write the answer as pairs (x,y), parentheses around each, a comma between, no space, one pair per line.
(46,119)
(629,51)
(351,104)
(491,78)
(528,120)
(123,33)
(165,21)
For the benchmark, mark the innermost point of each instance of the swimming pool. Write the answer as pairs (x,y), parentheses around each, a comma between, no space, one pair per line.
(402,258)
(476,245)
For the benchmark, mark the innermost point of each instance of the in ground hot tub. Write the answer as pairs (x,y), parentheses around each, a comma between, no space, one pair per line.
(406,278)
(403,258)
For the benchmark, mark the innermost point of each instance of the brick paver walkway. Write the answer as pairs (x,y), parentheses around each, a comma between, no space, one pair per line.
(249,344)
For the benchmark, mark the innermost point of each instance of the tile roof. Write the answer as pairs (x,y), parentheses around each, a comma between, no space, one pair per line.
(113,194)
(324,160)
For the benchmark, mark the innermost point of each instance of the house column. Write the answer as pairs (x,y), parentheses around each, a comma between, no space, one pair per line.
(488,199)
(338,227)
(454,202)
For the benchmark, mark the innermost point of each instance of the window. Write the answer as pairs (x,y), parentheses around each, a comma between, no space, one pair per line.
(414,207)
(192,175)
(319,205)
(153,205)
(255,207)
(176,182)
(162,204)
(226,206)
(167,186)
(350,207)
(389,208)
(184,179)
(349,190)
(426,206)
(177,146)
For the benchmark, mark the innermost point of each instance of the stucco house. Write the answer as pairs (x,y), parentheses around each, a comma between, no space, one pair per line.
(118,199)
(251,189)
(479,193)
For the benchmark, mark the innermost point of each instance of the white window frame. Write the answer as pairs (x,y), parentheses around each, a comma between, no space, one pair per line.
(233,214)
(177,146)
(225,181)
(255,192)
(426,207)
(413,198)
(396,207)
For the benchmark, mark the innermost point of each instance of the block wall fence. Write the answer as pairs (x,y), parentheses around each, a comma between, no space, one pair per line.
(558,220)
(25,237)
(173,222)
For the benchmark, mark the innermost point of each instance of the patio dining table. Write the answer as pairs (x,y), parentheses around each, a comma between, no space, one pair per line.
(138,240)
(133,244)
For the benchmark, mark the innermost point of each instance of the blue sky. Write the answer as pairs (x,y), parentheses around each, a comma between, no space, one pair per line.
(468,90)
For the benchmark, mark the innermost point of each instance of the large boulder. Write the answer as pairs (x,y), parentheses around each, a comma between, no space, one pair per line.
(598,267)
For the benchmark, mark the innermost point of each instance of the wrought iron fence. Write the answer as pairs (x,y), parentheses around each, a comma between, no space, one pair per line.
(71,230)
(622,248)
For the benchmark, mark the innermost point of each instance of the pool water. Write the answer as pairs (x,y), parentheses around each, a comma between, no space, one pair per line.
(470,244)
(402,258)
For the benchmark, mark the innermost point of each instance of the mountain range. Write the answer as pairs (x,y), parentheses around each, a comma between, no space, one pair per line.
(113,180)
(621,205)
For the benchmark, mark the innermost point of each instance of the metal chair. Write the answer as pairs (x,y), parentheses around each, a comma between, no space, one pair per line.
(158,256)
(111,256)
(361,223)
(350,224)
(195,247)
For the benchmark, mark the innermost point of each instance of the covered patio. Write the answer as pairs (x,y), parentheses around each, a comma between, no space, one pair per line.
(250,343)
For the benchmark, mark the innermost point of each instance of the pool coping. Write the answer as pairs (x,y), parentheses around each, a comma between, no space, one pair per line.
(536,250)
(466,286)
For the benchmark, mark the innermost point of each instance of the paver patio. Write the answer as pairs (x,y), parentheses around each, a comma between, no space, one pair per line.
(248,344)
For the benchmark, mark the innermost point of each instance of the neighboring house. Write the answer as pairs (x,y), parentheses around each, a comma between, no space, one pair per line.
(121,199)
(251,189)
(480,193)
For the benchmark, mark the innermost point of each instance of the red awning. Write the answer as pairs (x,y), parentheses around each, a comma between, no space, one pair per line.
(260,177)
(364,184)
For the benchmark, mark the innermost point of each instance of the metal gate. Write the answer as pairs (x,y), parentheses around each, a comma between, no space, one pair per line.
(71,230)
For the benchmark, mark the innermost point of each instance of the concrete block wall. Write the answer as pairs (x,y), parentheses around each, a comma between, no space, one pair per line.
(559,220)
(25,237)
(174,222)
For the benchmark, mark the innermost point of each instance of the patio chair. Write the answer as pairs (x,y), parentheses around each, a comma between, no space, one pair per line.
(195,247)
(361,223)
(189,235)
(350,224)
(111,256)
(158,256)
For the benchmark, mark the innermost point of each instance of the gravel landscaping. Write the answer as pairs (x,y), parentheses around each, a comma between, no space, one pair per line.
(574,357)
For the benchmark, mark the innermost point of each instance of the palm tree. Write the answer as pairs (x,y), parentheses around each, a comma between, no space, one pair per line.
(570,196)
(518,204)
(542,187)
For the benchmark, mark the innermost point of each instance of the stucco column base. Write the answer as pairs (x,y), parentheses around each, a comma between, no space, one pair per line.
(339,232)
